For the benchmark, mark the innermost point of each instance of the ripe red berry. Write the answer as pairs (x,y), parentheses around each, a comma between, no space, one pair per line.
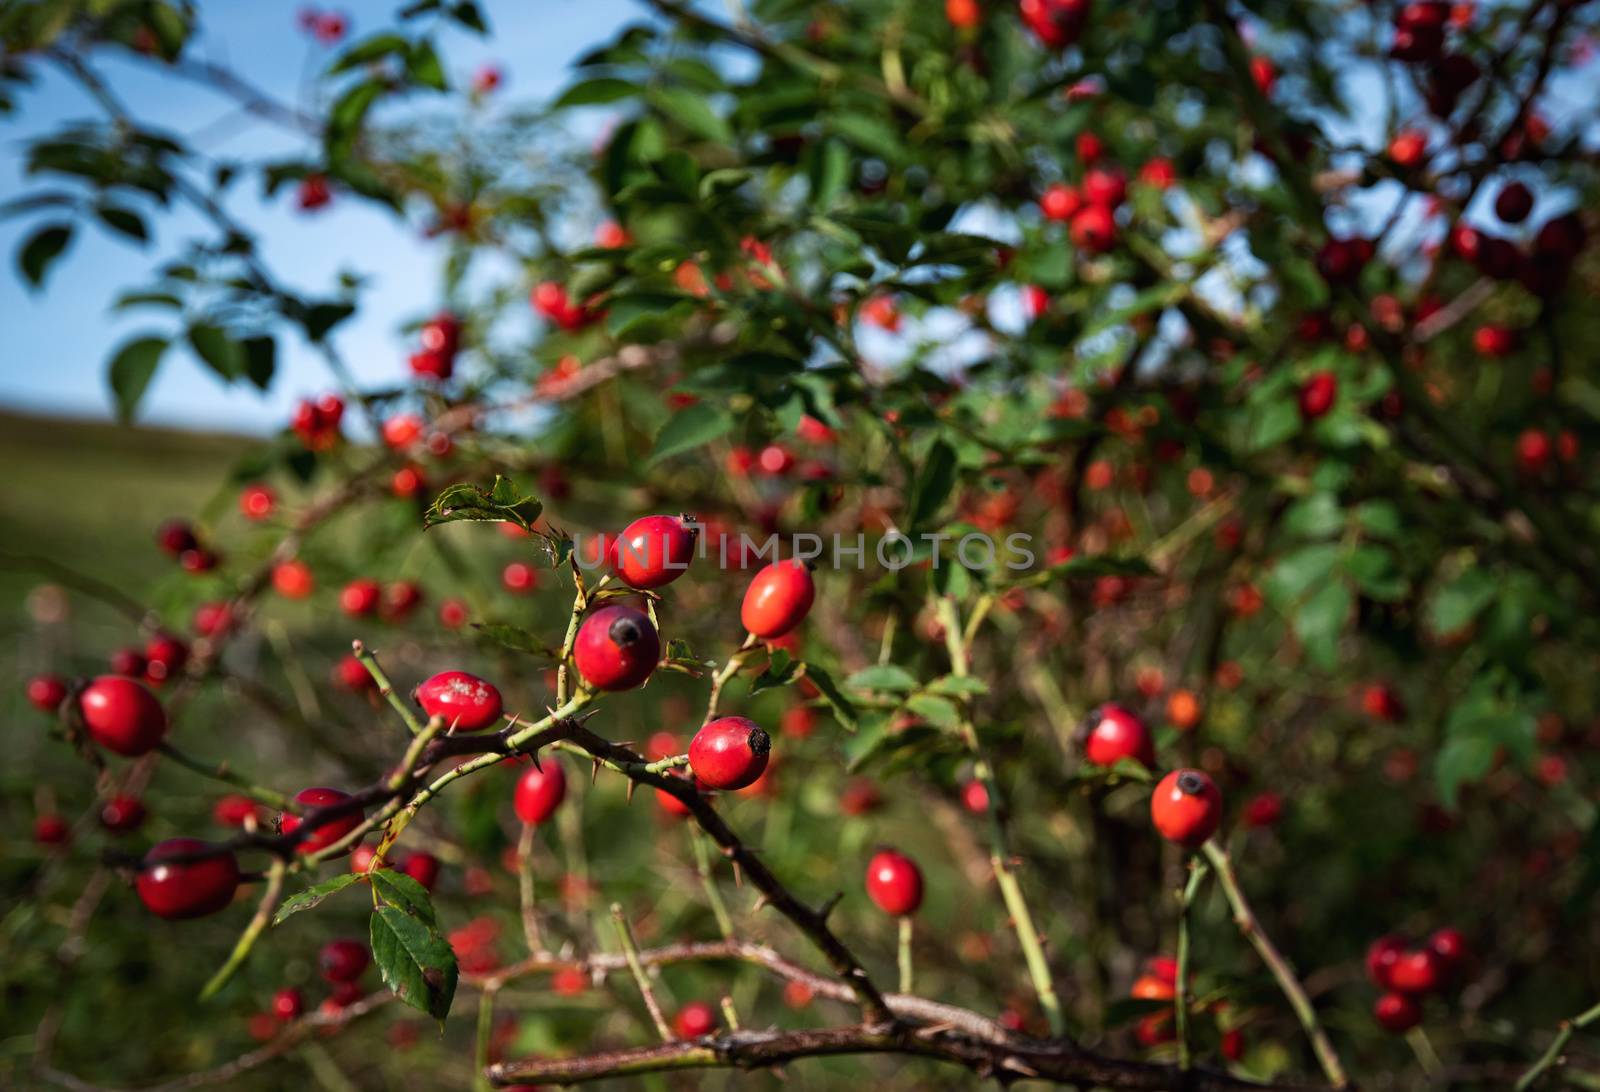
(234,810)
(539,792)
(1533,452)
(1397,1013)
(47,692)
(122,715)
(1056,23)
(212,619)
(1116,733)
(122,814)
(894,882)
(288,1004)
(129,663)
(1105,186)
(1262,810)
(164,658)
(1093,229)
(1317,394)
(293,579)
(617,648)
(1409,148)
(1158,173)
(452,614)
(778,599)
(1232,1045)
(519,577)
(1382,954)
(1494,340)
(962,14)
(1264,74)
(256,502)
(694,1020)
(343,960)
(400,598)
(422,867)
(974,797)
(327,832)
(729,753)
(466,702)
(190,888)
(654,551)
(1417,970)
(1186,807)
(1060,203)
(176,537)
(360,597)
(350,674)
(1513,203)
(51,830)
(1450,945)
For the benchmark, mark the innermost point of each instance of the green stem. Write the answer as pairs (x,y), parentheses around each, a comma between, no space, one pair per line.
(530,917)
(580,602)
(1422,1047)
(728,670)
(905,954)
(702,865)
(1552,1055)
(630,951)
(999,853)
(1180,996)
(480,1078)
(222,773)
(252,932)
(370,662)
(1287,982)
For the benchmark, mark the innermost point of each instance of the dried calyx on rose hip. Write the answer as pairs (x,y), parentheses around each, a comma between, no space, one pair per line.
(617,648)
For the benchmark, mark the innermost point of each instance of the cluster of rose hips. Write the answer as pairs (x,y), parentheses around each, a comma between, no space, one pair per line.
(1089,210)
(327,27)
(552,301)
(341,964)
(1187,805)
(1159,982)
(179,540)
(441,340)
(316,421)
(1408,973)
(1056,23)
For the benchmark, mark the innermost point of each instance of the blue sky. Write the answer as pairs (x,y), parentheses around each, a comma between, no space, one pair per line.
(60,338)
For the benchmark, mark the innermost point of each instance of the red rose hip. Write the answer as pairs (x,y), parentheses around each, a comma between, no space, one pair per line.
(47,692)
(540,792)
(1114,734)
(617,648)
(894,882)
(466,702)
(343,960)
(654,551)
(188,888)
(1397,1013)
(694,1020)
(729,753)
(122,715)
(1186,808)
(778,599)
(327,832)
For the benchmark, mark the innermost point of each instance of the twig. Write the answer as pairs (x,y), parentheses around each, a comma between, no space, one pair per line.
(1250,926)
(252,932)
(530,915)
(370,662)
(905,954)
(221,773)
(1181,992)
(1552,1055)
(630,952)
(702,865)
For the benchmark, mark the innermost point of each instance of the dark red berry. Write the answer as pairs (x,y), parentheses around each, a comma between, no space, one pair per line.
(51,830)
(1397,1013)
(894,882)
(1381,957)
(47,692)
(539,792)
(164,657)
(694,1020)
(359,597)
(287,1004)
(778,599)
(422,867)
(175,537)
(188,888)
(1418,970)
(1116,733)
(327,832)
(1317,394)
(466,702)
(1450,945)
(1093,229)
(654,551)
(122,715)
(122,814)
(729,753)
(1186,807)
(1513,203)
(617,648)
(343,960)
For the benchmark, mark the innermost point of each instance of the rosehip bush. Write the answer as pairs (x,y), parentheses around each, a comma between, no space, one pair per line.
(1114,477)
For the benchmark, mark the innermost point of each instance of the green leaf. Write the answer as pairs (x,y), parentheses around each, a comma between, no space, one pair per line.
(1273,423)
(1457,603)
(132,368)
(469,15)
(401,891)
(260,360)
(502,503)
(1320,620)
(515,638)
(780,671)
(311,896)
(41,250)
(219,351)
(692,111)
(956,686)
(842,707)
(320,318)
(367,50)
(1295,574)
(937,711)
(416,963)
(597,92)
(697,425)
(1376,573)
(124,222)
(347,114)
(422,65)
(1461,761)
(934,483)
(1316,516)
(1379,518)
(882,677)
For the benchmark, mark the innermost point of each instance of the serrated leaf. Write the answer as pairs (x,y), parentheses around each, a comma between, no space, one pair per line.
(696,426)
(312,896)
(501,503)
(404,893)
(882,677)
(515,638)
(780,671)
(41,250)
(415,961)
(131,371)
